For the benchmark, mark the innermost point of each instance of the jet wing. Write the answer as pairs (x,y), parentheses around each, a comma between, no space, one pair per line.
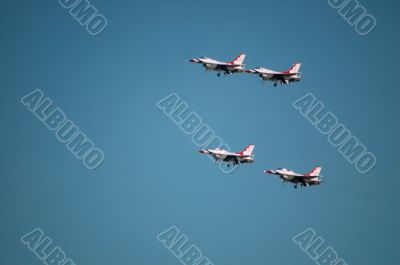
(222,152)
(234,154)
(240,155)
(303,177)
(284,173)
(225,64)
(293,175)
(263,71)
(215,62)
(212,61)
(269,72)
(284,74)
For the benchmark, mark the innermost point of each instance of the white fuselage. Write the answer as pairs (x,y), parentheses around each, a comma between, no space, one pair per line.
(211,64)
(293,177)
(267,74)
(226,156)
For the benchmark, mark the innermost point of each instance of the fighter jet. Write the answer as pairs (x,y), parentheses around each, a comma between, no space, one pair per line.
(305,180)
(231,158)
(286,77)
(235,66)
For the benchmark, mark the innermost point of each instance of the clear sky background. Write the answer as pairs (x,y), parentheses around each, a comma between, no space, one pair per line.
(152,176)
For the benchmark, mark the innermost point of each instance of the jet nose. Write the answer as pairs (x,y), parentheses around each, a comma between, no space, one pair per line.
(193,60)
(268,171)
(203,151)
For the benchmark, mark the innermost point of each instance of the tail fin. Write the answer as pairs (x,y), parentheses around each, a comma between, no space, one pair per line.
(315,171)
(294,69)
(248,150)
(239,59)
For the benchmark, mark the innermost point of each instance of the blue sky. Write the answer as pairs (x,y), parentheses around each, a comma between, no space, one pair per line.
(152,176)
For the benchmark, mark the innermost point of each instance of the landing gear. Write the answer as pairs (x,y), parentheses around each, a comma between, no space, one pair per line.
(295,186)
(275,84)
(232,164)
(219,74)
